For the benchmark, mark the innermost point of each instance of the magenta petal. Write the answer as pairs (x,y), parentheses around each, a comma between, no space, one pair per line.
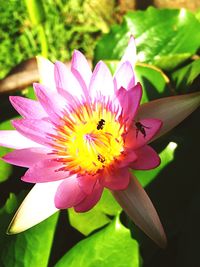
(27,108)
(129,101)
(117,179)
(101,82)
(91,200)
(36,130)
(53,103)
(81,69)
(127,157)
(66,82)
(136,139)
(69,193)
(47,170)
(124,77)
(14,139)
(87,183)
(147,159)
(26,157)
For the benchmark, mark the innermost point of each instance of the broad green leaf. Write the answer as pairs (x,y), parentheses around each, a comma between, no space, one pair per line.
(167,155)
(197,14)
(154,82)
(184,77)
(97,217)
(5,168)
(164,37)
(30,248)
(110,247)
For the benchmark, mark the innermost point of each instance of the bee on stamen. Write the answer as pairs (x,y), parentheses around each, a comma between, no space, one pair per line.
(101,158)
(141,128)
(100,124)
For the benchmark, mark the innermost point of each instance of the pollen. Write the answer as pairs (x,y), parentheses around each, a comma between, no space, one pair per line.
(89,139)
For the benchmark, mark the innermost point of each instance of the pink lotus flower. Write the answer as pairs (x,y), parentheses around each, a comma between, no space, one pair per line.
(83,134)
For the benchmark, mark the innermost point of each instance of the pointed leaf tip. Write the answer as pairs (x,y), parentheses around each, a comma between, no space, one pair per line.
(140,209)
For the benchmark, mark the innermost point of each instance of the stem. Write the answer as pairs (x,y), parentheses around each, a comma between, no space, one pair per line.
(43,40)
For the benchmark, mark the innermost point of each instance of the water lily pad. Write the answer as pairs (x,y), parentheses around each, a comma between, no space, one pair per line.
(97,217)
(110,247)
(164,37)
(30,248)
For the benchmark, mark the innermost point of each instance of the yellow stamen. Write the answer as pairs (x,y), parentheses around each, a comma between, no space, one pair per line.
(92,139)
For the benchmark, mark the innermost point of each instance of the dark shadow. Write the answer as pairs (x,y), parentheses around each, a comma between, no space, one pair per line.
(176,196)
(143,4)
(64,239)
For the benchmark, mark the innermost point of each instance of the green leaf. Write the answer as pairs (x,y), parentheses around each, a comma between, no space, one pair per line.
(110,247)
(97,217)
(167,155)
(164,37)
(184,77)
(36,11)
(5,168)
(30,248)
(154,82)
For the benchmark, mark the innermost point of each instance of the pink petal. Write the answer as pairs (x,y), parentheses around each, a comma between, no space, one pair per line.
(91,200)
(140,209)
(69,193)
(46,73)
(124,77)
(53,103)
(67,85)
(129,54)
(129,101)
(14,139)
(125,158)
(147,159)
(136,139)
(170,110)
(81,69)
(26,157)
(101,82)
(87,183)
(36,207)
(36,130)
(116,180)
(27,108)
(47,170)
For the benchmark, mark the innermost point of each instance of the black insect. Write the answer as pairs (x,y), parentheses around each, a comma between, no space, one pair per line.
(100,124)
(101,158)
(141,128)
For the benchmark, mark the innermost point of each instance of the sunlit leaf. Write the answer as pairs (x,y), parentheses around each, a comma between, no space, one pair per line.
(164,37)
(97,217)
(167,155)
(184,77)
(110,247)
(31,248)
(154,82)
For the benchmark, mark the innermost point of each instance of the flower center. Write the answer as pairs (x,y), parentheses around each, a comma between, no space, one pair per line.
(89,139)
